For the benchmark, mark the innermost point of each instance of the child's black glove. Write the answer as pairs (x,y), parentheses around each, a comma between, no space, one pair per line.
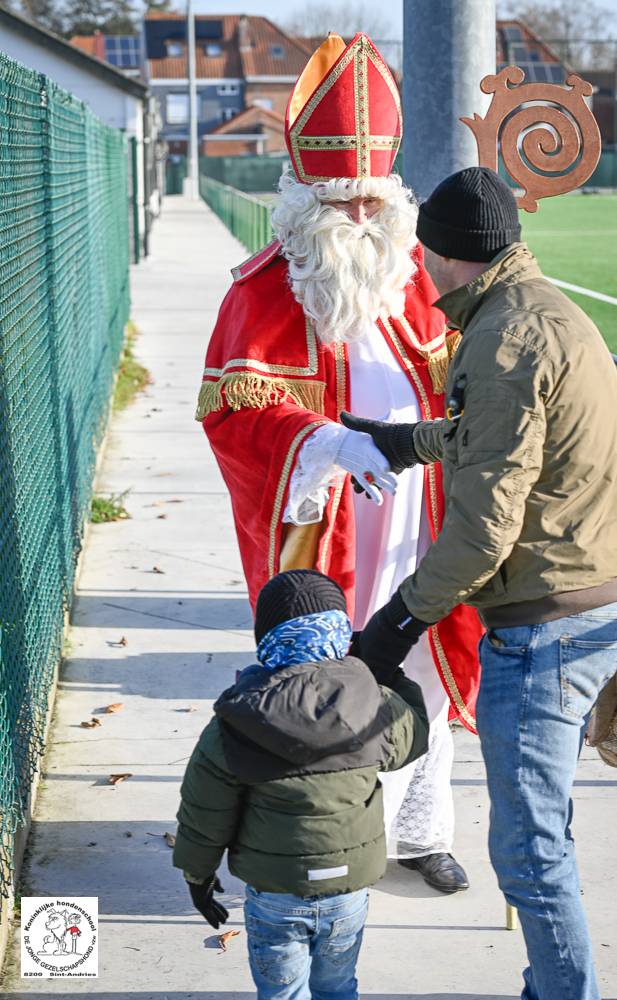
(386,639)
(203,900)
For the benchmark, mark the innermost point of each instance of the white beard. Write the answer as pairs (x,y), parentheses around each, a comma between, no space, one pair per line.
(344,274)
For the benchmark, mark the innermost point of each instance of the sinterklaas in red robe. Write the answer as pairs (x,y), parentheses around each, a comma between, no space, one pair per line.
(268,382)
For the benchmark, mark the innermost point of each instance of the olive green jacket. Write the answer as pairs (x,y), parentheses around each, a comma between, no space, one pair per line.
(286,777)
(530,468)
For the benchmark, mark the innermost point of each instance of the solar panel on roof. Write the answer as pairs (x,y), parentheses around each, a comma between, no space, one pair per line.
(208,29)
(122,51)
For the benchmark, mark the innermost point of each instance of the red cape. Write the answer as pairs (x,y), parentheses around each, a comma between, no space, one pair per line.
(267,383)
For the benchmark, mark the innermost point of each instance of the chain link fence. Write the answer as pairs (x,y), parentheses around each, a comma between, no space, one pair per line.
(64,301)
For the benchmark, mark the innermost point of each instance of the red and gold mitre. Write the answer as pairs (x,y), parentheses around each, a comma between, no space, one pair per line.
(344,114)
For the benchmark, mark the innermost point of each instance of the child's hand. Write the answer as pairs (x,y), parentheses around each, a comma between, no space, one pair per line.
(203,900)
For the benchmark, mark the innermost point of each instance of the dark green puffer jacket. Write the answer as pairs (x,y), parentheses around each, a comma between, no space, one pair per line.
(285,777)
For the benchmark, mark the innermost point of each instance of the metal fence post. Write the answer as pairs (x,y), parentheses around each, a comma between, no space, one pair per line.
(135,199)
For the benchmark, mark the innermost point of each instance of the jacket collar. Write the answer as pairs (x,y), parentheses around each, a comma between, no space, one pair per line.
(512,265)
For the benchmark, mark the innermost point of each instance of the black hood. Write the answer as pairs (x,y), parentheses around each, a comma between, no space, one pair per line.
(300,715)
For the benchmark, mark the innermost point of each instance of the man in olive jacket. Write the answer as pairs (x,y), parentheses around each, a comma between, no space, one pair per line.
(529,455)
(285,777)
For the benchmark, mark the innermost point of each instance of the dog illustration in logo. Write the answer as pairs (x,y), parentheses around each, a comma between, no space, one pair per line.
(57,924)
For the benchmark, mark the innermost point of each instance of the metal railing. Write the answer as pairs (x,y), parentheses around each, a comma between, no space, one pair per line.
(64,300)
(246,216)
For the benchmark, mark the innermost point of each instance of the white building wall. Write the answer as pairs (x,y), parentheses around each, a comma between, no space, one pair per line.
(111,104)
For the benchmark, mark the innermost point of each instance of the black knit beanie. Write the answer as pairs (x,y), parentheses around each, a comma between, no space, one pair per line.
(472,215)
(295,593)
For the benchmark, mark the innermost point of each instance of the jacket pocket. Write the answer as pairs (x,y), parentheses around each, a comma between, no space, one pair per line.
(585,667)
(488,433)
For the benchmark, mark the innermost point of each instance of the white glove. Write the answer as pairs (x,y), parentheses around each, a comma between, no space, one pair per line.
(358,454)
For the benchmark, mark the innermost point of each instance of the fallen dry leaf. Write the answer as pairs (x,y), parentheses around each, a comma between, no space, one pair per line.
(157,569)
(169,839)
(115,779)
(94,722)
(116,707)
(224,938)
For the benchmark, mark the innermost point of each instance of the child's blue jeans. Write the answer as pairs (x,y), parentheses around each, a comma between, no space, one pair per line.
(304,949)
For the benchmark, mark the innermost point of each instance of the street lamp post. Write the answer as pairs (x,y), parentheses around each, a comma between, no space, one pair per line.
(193,163)
(449,45)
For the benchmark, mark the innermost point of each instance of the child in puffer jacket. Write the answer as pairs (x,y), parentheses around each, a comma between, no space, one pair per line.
(285,777)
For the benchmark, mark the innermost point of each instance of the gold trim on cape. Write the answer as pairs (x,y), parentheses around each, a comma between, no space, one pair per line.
(260,366)
(451,683)
(247,390)
(341,400)
(262,258)
(448,677)
(282,486)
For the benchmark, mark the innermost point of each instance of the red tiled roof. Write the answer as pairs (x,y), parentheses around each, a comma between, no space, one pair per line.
(246,45)
(257,60)
(249,118)
(92,45)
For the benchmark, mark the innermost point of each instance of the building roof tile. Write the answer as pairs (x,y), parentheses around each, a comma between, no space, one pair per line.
(250,46)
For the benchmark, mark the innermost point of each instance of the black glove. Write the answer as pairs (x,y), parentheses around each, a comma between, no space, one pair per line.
(387,638)
(203,900)
(395,441)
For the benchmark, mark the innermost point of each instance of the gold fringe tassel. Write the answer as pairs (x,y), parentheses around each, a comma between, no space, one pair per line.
(248,390)
(438,364)
(453,340)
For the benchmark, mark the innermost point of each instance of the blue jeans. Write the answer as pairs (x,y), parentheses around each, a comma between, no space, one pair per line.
(538,686)
(304,948)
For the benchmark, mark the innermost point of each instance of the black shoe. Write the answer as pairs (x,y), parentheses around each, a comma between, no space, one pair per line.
(441,871)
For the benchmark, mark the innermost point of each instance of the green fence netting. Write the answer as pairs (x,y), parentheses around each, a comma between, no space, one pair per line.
(247,217)
(63,305)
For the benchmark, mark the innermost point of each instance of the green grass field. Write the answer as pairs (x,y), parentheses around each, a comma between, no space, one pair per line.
(574,238)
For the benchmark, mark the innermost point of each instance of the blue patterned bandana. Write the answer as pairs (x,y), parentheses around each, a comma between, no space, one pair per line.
(324,635)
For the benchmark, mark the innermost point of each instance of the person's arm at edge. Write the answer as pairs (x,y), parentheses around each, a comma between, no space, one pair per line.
(428,440)
(488,493)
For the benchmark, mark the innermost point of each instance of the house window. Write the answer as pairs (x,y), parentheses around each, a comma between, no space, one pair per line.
(277,51)
(177,109)
(175,50)
(263,102)
(228,89)
(213,50)
(227,114)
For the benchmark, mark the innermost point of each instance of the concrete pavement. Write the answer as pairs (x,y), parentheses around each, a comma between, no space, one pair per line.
(169,582)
